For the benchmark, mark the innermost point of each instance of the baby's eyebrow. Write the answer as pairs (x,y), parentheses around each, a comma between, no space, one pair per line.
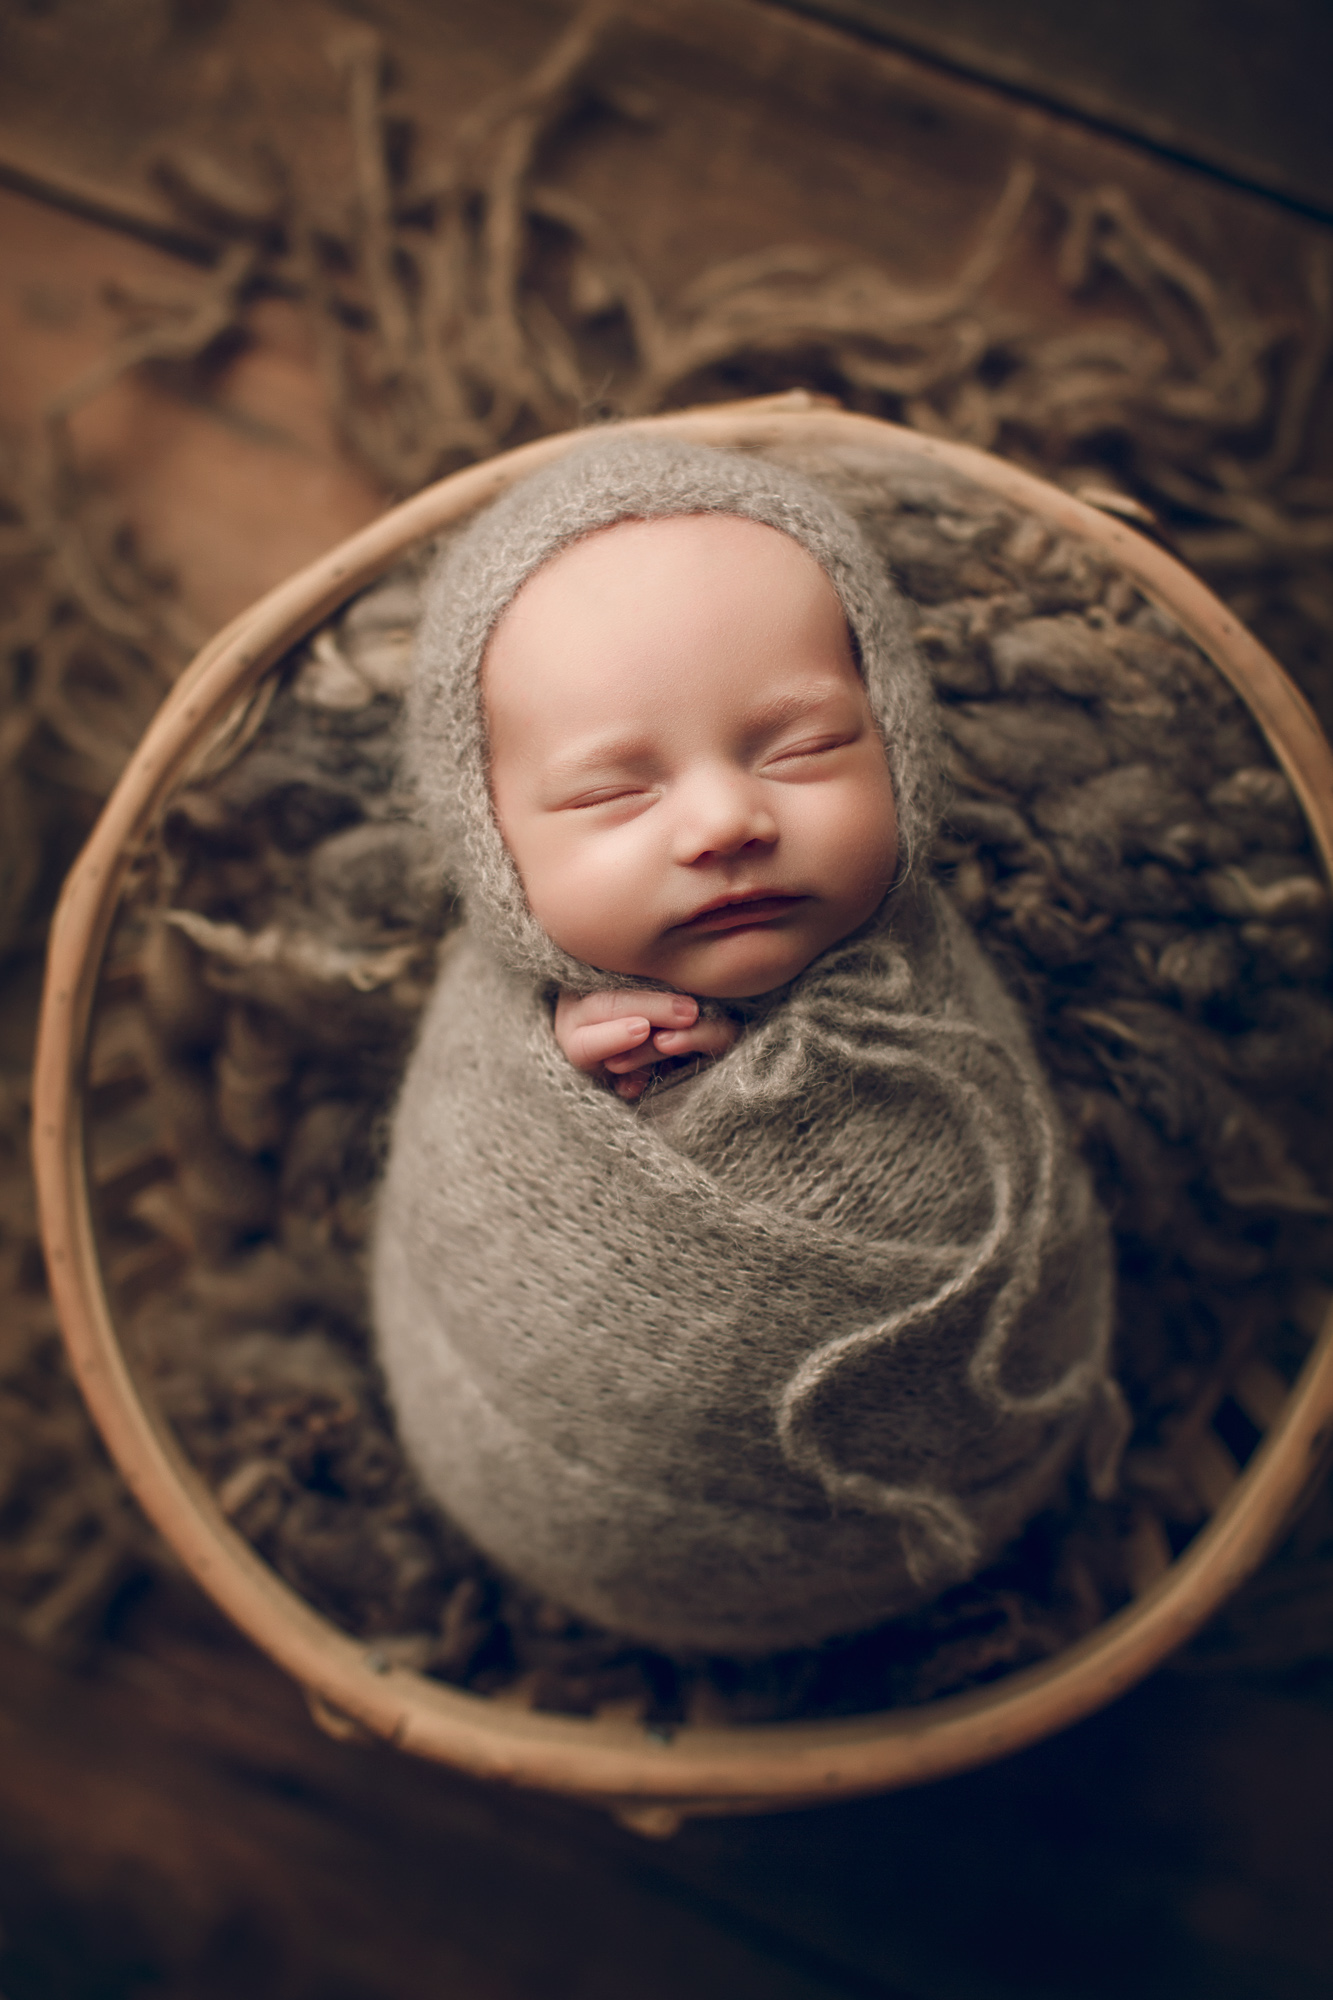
(792,706)
(599,754)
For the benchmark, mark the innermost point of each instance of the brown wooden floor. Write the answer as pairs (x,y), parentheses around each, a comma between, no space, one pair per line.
(171,1823)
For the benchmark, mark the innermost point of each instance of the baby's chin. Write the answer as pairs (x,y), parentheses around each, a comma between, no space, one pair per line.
(736,965)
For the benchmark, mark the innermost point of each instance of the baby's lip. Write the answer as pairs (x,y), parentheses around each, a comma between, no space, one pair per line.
(724,913)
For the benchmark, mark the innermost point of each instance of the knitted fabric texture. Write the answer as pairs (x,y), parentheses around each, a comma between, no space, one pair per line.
(816,1340)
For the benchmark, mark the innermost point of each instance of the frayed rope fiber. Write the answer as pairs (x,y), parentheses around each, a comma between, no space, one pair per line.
(801,1341)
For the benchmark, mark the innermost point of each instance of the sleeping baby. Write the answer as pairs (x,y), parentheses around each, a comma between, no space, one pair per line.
(735,1283)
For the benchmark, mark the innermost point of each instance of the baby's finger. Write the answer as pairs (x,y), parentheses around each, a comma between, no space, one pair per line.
(664,1010)
(588,1047)
(705,1038)
(634,1084)
(624,1061)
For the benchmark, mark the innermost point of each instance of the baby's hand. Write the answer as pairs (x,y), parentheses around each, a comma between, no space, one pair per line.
(611,1034)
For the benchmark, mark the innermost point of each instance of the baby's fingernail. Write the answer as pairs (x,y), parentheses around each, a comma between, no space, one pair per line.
(637,1027)
(684,1008)
(665,1036)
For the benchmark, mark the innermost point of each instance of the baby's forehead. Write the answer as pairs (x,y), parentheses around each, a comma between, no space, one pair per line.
(683,568)
(648,621)
(705,546)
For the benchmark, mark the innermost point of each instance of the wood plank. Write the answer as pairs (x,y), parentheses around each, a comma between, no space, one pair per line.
(1239,90)
(727,114)
(230,485)
(177,1812)
(187,1786)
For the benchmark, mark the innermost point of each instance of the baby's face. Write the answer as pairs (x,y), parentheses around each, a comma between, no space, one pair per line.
(684,764)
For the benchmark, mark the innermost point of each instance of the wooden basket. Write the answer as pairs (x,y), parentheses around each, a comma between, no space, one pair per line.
(650,1783)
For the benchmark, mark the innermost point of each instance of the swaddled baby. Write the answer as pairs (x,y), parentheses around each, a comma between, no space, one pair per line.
(735,1283)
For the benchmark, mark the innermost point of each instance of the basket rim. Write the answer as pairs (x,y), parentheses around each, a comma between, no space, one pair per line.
(613,1762)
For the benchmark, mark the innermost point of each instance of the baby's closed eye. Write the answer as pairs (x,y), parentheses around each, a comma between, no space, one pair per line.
(787,758)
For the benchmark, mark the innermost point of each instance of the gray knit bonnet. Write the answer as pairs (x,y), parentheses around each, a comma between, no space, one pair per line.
(622,476)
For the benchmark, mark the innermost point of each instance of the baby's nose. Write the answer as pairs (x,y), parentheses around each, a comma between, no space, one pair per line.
(723,814)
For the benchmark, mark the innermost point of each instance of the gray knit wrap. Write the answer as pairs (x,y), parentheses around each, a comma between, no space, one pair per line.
(788,1348)
(622,476)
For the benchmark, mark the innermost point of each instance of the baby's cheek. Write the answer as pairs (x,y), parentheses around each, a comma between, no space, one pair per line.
(869,837)
(586,897)
(550,881)
(849,838)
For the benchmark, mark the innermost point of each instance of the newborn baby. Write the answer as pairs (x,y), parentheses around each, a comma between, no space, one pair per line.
(734,1282)
(686,772)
